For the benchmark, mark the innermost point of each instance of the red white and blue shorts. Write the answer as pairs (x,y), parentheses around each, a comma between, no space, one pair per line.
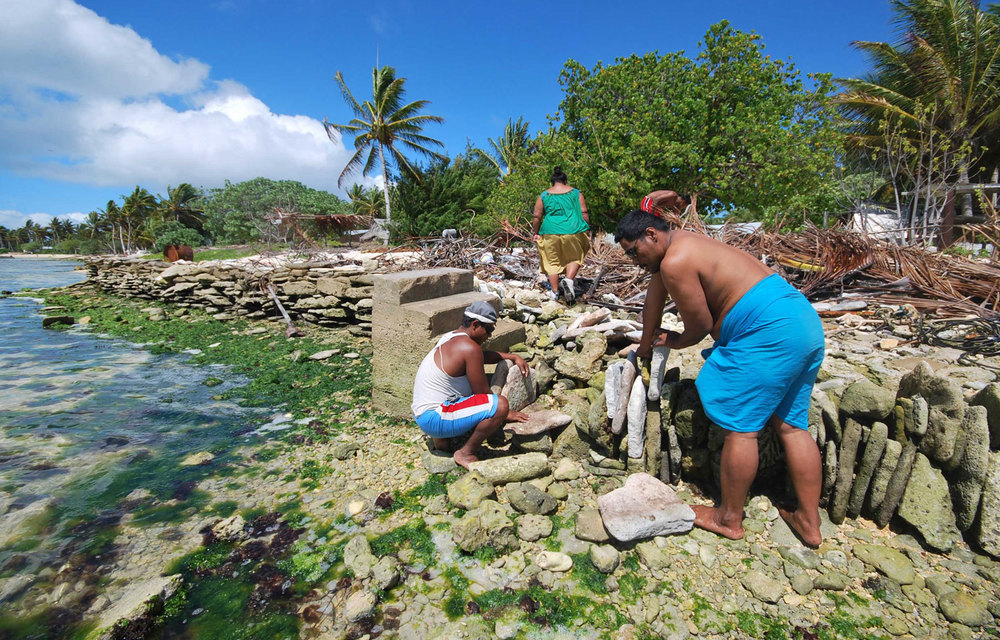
(459,417)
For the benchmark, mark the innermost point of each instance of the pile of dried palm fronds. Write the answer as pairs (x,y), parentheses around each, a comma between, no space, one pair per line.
(822,263)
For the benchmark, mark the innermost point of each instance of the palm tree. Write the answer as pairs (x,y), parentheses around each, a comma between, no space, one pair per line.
(181,205)
(942,78)
(365,202)
(136,209)
(382,125)
(509,148)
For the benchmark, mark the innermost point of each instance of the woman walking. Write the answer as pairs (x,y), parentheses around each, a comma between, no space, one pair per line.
(560,226)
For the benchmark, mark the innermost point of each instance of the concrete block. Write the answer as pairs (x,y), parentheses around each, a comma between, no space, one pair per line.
(413,286)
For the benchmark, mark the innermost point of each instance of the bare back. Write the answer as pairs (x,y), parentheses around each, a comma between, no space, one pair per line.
(723,274)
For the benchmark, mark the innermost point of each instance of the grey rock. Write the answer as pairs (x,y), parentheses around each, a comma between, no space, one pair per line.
(629,371)
(590,526)
(651,555)
(531,527)
(802,584)
(12,587)
(967,482)
(230,529)
(344,449)
(762,586)
(612,386)
(360,604)
(520,391)
(486,526)
(133,606)
(988,534)
(989,397)
(945,408)
(643,508)
(636,415)
(571,443)
(567,470)
(874,447)
(516,468)
(527,498)
(55,321)
(657,367)
(926,505)
(541,443)
(554,561)
(470,490)
(890,562)
(830,581)
(897,485)
(604,557)
(800,556)
(437,461)
(385,573)
(845,471)
(890,457)
(584,364)
(652,453)
(668,399)
(958,606)
(829,472)
(865,401)
(358,556)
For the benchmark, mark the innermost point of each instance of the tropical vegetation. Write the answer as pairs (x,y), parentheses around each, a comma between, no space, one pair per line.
(927,115)
(384,126)
(236,213)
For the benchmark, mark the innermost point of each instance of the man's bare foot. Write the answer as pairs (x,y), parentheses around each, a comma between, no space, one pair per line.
(809,535)
(709,518)
(441,444)
(464,459)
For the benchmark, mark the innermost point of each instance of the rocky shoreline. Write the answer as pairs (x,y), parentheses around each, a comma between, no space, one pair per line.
(350,527)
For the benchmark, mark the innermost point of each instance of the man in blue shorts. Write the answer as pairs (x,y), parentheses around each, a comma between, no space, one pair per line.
(451,395)
(769,345)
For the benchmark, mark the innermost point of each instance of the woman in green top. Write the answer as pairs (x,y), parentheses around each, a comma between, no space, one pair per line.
(560,227)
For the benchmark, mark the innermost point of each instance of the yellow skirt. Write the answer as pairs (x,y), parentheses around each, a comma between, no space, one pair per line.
(557,251)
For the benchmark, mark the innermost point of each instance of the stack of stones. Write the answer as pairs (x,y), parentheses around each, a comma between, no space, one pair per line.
(921,453)
(327,293)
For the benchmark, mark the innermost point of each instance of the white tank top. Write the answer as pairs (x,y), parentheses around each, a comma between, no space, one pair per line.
(432,387)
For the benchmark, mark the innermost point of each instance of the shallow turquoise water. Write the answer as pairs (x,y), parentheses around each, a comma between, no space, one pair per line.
(85,420)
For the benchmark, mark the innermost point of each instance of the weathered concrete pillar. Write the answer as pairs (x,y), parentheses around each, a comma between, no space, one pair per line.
(410,310)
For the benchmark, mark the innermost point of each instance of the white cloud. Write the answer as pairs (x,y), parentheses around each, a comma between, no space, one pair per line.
(83,101)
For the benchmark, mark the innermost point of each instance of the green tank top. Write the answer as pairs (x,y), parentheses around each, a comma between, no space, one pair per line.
(562,214)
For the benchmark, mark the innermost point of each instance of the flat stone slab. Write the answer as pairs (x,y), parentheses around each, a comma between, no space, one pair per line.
(539,422)
(643,508)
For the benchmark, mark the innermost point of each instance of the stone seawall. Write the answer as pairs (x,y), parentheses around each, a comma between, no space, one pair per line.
(325,293)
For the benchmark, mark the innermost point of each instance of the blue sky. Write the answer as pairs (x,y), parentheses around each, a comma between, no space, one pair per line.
(98,96)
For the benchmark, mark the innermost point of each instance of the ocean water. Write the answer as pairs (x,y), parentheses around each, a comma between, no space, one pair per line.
(85,420)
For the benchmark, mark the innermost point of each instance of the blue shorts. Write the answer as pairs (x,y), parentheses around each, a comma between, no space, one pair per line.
(459,417)
(765,362)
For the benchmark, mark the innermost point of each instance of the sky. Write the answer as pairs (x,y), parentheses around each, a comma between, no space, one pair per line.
(99,96)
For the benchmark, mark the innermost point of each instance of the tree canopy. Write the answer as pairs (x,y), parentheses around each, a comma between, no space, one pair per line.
(733,125)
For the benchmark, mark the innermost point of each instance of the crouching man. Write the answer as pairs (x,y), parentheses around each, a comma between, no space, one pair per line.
(451,395)
(769,345)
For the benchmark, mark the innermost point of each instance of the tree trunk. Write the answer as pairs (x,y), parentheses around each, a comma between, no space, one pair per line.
(385,191)
(963,178)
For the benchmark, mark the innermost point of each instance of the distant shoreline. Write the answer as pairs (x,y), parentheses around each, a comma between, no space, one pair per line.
(43,256)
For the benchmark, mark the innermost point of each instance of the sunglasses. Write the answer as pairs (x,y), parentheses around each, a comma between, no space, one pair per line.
(488,327)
